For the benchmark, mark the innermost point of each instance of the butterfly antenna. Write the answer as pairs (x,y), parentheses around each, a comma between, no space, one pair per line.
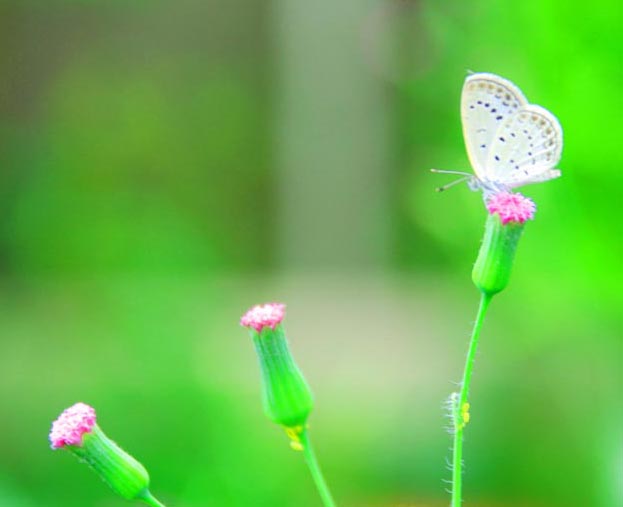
(452,183)
(443,171)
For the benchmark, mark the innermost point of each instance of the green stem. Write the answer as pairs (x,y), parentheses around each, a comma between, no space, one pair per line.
(315,471)
(460,408)
(150,499)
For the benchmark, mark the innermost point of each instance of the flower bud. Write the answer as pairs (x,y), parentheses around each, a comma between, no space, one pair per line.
(507,215)
(286,396)
(77,431)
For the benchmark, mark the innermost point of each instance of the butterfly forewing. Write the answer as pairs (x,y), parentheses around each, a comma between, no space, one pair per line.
(486,102)
(526,146)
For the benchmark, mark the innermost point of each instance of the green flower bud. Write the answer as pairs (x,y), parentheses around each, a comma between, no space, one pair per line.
(287,397)
(77,431)
(126,476)
(507,216)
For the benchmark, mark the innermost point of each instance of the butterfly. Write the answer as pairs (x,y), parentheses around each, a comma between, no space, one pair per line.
(510,143)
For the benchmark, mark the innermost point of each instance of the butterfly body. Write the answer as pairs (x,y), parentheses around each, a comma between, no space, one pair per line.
(509,142)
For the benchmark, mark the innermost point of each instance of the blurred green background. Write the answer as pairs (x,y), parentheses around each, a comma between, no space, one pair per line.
(165,165)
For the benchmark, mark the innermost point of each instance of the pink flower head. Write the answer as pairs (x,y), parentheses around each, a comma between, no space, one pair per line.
(260,316)
(71,425)
(511,207)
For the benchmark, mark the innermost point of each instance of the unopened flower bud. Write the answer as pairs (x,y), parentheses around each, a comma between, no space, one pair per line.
(508,213)
(286,396)
(77,431)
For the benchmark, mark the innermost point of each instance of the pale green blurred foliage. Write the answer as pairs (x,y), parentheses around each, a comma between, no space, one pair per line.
(164,166)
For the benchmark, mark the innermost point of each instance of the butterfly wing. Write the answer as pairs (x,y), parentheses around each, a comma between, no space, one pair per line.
(487,101)
(526,147)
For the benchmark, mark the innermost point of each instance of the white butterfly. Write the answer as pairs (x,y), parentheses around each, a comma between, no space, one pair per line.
(509,142)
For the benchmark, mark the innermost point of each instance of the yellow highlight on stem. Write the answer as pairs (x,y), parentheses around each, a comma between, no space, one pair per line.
(465,414)
(294,434)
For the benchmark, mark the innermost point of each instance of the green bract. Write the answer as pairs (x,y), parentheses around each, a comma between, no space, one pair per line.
(286,396)
(495,258)
(117,468)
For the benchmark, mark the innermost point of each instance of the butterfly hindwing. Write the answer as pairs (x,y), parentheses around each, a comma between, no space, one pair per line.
(525,148)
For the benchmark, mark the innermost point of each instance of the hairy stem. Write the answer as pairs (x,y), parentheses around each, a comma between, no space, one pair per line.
(460,408)
(315,471)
